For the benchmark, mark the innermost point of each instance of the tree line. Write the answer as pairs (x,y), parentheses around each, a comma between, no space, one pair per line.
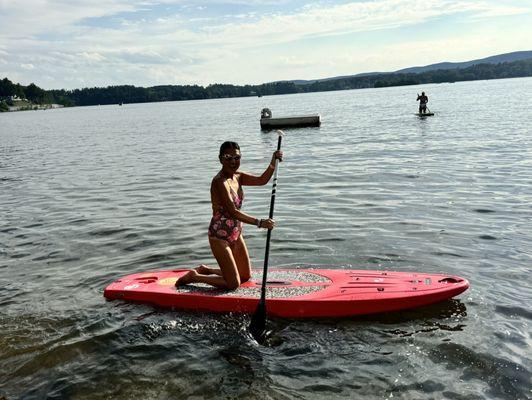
(133,94)
(32,93)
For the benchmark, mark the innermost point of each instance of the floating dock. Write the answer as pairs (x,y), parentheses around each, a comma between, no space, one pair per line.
(268,122)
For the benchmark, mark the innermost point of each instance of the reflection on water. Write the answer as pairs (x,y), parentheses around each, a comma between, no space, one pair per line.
(91,194)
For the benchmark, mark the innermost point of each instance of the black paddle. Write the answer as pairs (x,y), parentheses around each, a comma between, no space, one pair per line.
(257,327)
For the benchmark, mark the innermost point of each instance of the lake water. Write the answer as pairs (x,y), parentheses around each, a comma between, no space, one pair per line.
(91,194)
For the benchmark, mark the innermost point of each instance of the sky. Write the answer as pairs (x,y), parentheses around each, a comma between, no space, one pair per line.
(67,44)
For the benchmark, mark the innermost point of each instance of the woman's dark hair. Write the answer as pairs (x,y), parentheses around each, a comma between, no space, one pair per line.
(228,146)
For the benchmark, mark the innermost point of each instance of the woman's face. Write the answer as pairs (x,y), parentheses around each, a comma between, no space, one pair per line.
(230,159)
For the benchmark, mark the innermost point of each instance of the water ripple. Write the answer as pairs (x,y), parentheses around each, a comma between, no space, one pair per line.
(90,194)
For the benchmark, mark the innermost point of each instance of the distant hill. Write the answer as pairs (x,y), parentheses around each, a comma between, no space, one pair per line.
(500,58)
(307,82)
(507,57)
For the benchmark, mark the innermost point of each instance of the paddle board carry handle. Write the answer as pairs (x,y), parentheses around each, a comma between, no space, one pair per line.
(257,327)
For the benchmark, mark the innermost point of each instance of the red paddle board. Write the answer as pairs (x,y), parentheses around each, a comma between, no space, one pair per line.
(295,293)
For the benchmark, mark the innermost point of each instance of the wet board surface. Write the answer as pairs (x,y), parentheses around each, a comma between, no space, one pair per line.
(295,293)
(424,115)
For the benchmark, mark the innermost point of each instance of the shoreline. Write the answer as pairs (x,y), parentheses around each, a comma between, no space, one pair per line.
(32,107)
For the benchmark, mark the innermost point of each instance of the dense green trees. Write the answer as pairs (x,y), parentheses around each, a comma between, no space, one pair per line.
(133,94)
(8,89)
(37,95)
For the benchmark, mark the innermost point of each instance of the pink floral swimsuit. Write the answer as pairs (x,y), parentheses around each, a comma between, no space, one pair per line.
(223,226)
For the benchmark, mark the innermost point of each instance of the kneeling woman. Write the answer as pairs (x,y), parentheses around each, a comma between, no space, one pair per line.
(225,231)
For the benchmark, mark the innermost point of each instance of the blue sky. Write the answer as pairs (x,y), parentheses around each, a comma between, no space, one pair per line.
(82,43)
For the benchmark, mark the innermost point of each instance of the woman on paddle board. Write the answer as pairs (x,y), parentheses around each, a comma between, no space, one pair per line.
(225,230)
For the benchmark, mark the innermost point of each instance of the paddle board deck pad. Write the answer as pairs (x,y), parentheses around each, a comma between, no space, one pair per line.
(424,115)
(295,293)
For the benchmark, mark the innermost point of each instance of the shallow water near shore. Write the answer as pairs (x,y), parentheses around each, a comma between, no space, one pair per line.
(90,194)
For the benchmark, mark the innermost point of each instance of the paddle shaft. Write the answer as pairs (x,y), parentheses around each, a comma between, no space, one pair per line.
(257,327)
(269,235)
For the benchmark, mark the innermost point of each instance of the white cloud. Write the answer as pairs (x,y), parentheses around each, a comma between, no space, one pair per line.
(67,40)
(39,17)
(91,56)
(316,20)
(293,61)
(453,49)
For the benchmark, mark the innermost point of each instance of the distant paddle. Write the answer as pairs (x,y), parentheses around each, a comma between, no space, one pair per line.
(257,327)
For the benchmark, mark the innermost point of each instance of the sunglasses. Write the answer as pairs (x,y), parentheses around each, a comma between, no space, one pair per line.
(228,157)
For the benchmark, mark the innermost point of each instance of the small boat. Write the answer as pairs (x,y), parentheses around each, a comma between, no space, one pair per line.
(268,122)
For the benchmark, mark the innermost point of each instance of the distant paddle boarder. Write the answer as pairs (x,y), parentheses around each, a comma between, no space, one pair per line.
(225,230)
(423,100)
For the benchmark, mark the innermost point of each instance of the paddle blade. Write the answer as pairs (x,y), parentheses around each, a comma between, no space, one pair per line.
(257,327)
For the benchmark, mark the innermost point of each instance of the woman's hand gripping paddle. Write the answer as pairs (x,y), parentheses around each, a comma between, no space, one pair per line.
(257,327)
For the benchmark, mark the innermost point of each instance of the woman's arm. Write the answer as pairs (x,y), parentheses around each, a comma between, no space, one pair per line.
(224,196)
(253,180)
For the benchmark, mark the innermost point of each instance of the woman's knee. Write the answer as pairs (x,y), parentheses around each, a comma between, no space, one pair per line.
(245,276)
(233,282)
